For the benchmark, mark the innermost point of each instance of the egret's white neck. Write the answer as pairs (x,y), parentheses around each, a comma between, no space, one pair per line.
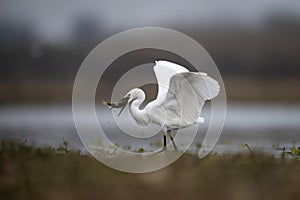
(141,116)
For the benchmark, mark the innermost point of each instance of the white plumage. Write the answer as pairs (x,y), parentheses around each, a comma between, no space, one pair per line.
(181,96)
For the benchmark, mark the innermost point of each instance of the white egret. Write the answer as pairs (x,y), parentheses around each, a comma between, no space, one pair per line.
(181,96)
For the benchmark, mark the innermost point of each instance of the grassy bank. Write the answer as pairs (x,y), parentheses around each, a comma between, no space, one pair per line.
(45,173)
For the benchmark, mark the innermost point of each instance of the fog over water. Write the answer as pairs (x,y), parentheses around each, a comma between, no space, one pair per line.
(260,125)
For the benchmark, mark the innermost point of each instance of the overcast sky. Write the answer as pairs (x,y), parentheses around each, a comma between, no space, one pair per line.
(52,19)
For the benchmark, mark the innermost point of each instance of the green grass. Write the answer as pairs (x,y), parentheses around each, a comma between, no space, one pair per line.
(47,173)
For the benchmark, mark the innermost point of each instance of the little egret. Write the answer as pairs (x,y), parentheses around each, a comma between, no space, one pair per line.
(181,96)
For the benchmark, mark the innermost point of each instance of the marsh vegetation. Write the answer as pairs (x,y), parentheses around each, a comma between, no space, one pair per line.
(46,173)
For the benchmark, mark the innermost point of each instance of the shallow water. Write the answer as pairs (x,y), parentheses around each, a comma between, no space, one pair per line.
(262,126)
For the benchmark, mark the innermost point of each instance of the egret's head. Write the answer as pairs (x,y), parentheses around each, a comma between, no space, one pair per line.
(134,94)
(128,98)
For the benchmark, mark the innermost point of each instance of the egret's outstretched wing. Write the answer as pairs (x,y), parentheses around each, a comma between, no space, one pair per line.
(164,70)
(187,93)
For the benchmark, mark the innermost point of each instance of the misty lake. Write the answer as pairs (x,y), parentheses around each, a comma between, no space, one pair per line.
(262,126)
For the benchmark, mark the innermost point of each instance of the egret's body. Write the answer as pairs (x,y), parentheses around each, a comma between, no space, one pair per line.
(181,96)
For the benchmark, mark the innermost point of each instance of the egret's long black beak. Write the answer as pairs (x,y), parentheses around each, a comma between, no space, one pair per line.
(121,104)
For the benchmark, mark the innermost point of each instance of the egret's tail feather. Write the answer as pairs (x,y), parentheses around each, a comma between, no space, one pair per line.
(200,120)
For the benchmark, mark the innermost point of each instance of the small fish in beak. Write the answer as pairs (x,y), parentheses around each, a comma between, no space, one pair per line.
(121,104)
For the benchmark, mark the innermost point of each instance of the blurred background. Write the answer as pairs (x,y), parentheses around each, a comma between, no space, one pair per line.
(255,45)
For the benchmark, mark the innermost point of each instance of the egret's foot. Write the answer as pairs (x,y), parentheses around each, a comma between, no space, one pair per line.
(174,145)
(162,150)
(175,148)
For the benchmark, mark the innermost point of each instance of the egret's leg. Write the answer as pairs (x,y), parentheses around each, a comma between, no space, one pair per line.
(165,144)
(164,133)
(174,145)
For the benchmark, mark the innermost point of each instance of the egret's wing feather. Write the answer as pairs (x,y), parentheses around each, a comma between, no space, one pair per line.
(206,87)
(187,93)
(164,70)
